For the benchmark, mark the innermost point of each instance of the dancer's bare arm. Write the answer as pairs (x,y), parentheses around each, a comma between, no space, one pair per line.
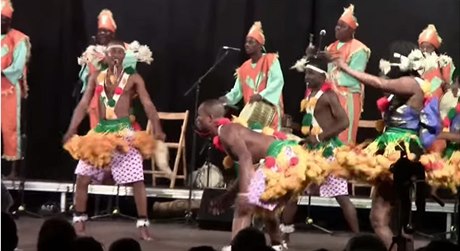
(406,86)
(340,122)
(81,109)
(453,137)
(149,107)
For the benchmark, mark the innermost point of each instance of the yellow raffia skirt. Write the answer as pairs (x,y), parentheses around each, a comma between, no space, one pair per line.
(97,147)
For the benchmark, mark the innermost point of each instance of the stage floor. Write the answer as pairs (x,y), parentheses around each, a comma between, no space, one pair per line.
(178,237)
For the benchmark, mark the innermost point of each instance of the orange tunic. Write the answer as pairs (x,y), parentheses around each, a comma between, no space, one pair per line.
(12,91)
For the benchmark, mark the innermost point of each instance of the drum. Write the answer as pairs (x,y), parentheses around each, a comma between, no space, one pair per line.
(260,112)
(216,179)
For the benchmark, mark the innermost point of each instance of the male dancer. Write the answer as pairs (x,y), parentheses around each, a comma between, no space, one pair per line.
(247,147)
(15,54)
(115,88)
(324,120)
(403,120)
(106,32)
(260,77)
(356,55)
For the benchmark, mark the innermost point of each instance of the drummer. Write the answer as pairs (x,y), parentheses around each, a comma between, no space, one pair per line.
(260,77)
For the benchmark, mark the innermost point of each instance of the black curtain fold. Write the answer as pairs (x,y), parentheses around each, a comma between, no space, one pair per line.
(185,37)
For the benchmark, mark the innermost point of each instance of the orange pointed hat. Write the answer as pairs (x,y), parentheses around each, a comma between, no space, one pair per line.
(348,16)
(257,33)
(105,21)
(430,35)
(7,8)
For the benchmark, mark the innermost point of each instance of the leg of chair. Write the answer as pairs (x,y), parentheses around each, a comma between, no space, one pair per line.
(176,166)
(154,182)
(184,162)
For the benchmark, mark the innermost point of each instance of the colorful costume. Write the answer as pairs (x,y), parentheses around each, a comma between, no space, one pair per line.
(15,54)
(350,91)
(333,186)
(264,78)
(437,69)
(92,60)
(285,171)
(112,144)
(407,130)
(444,171)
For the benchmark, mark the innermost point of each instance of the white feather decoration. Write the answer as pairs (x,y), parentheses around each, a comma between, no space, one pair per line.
(300,65)
(161,157)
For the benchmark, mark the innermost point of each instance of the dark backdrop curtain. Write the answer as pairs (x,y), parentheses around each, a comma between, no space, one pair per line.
(185,37)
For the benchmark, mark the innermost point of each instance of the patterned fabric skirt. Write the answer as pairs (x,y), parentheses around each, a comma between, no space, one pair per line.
(125,168)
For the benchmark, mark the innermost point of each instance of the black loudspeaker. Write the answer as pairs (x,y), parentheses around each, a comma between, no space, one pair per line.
(206,220)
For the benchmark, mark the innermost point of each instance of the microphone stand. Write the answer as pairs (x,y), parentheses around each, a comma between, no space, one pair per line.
(196,86)
(21,210)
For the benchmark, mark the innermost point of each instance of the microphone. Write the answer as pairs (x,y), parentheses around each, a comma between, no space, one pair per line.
(93,40)
(231,48)
(322,33)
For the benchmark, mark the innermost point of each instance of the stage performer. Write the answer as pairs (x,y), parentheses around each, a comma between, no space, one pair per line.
(324,119)
(92,60)
(113,146)
(412,124)
(260,77)
(356,55)
(283,170)
(15,55)
(438,69)
(443,170)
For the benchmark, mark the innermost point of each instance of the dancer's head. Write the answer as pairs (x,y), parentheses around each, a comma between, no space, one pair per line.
(316,71)
(115,53)
(208,112)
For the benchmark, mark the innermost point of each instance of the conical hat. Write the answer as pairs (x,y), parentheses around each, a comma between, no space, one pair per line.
(348,16)
(105,21)
(430,35)
(257,33)
(7,8)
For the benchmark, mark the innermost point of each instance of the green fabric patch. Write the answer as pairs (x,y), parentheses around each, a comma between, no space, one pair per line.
(307,119)
(394,134)
(327,146)
(450,149)
(275,148)
(111,126)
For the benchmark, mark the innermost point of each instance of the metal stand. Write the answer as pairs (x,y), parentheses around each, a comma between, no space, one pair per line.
(21,210)
(196,86)
(309,220)
(453,233)
(116,213)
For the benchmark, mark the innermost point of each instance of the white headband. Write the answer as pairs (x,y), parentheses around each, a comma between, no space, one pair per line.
(312,67)
(119,46)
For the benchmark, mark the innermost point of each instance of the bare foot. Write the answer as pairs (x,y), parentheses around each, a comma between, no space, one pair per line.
(145,234)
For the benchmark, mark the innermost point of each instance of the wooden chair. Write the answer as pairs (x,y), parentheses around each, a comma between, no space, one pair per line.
(367,124)
(179,146)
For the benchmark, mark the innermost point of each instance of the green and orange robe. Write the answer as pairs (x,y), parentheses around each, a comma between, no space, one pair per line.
(264,78)
(15,54)
(350,91)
